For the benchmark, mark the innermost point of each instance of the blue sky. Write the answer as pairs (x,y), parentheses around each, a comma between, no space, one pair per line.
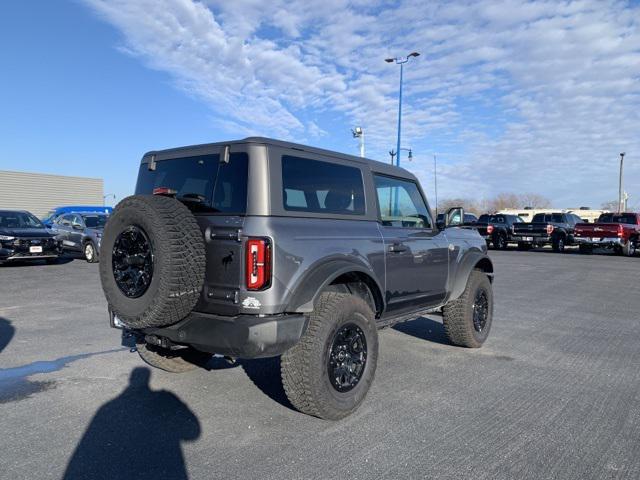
(512,96)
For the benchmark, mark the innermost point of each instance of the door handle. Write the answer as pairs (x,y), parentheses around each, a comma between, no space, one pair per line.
(397,248)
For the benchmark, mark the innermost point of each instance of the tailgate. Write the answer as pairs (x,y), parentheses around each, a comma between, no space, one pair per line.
(597,230)
(530,229)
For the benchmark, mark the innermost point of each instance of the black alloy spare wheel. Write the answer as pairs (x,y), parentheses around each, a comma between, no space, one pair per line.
(132,261)
(347,357)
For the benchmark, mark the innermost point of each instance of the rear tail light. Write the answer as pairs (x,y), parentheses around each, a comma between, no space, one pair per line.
(620,231)
(550,229)
(490,229)
(258,263)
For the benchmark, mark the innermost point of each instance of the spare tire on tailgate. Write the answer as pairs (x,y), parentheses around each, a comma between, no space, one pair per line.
(152,261)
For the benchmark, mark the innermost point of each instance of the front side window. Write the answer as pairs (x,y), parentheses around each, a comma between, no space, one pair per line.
(321,187)
(401,204)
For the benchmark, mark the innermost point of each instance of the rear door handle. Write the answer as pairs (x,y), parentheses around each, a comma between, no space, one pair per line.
(397,248)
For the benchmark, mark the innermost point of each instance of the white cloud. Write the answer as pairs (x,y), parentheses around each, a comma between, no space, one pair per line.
(516,95)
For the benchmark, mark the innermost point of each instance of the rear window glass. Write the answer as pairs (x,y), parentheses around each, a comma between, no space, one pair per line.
(201,182)
(95,221)
(547,217)
(321,187)
(614,218)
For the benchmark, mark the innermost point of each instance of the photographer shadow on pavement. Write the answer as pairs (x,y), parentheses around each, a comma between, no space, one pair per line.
(137,435)
(7,331)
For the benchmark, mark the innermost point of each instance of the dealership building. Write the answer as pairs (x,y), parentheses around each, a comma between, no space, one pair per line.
(39,193)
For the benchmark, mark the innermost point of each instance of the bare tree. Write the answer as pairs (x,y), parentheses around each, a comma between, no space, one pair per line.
(611,206)
(534,200)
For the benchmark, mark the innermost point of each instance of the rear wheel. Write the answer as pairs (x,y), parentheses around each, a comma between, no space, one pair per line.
(558,243)
(329,372)
(629,248)
(174,361)
(500,241)
(90,252)
(467,320)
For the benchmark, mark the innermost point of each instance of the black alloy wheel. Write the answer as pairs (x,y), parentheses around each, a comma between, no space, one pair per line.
(347,357)
(480,310)
(132,260)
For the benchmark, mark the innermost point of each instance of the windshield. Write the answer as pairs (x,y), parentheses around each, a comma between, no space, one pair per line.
(201,182)
(19,220)
(615,218)
(95,221)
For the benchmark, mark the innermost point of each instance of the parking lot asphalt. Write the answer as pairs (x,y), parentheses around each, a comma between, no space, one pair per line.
(554,393)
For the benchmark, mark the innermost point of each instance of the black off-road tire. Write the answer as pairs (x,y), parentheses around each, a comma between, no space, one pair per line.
(178,361)
(304,368)
(457,315)
(90,258)
(178,259)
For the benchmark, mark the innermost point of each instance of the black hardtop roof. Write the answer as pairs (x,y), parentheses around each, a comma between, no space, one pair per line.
(374,164)
(6,210)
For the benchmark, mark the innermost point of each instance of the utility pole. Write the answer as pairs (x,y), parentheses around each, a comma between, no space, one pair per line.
(620,199)
(358,133)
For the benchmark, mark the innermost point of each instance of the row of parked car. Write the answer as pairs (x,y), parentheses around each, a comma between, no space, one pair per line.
(619,232)
(77,229)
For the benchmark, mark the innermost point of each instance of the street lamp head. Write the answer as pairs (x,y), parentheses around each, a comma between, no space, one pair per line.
(622,154)
(414,54)
(389,60)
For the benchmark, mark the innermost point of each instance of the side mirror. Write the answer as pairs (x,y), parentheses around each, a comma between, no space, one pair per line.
(454,217)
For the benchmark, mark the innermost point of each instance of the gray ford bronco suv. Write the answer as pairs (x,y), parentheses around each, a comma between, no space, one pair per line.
(260,248)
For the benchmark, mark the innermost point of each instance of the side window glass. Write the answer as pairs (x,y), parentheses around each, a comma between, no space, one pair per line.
(321,187)
(66,221)
(401,204)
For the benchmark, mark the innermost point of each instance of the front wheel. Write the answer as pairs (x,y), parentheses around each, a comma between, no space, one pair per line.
(329,372)
(90,252)
(467,320)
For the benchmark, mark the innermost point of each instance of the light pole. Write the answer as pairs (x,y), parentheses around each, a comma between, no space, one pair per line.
(400,61)
(435,182)
(358,133)
(104,197)
(620,200)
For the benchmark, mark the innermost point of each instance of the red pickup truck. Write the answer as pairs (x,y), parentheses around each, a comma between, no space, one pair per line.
(620,231)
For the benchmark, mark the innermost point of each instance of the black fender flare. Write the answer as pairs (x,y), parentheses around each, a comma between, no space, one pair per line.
(302,299)
(473,259)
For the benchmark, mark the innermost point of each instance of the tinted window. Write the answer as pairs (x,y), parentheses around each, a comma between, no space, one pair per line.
(401,204)
(615,218)
(19,220)
(201,182)
(95,221)
(321,187)
(483,218)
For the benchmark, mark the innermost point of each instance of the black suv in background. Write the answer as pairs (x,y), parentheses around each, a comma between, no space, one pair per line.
(81,232)
(497,229)
(24,237)
(261,248)
(555,229)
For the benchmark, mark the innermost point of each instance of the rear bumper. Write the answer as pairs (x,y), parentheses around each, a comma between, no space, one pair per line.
(243,336)
(531,238)
(600,242)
